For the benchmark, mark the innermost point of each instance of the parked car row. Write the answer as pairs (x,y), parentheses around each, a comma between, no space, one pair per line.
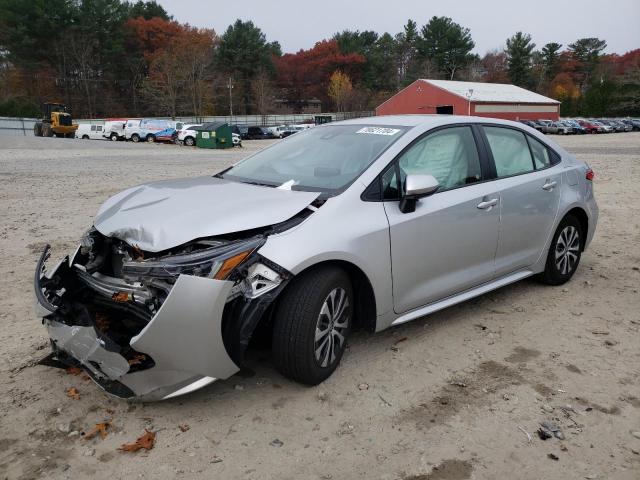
(569,126)
(155,130)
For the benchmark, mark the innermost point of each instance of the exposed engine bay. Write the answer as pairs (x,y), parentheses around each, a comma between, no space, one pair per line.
(159,324)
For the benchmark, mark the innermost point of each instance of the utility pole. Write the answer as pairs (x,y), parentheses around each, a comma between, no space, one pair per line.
(469,95)
(230,87)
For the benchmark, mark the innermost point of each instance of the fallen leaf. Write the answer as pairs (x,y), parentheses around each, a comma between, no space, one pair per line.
(184,428)
(138,253)
(74,371)
(137,359)
(73,393)
(100,428)
(146,441)
(121,297)
(102,322)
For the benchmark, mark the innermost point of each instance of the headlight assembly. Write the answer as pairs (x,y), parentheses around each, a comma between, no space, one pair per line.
(216,262)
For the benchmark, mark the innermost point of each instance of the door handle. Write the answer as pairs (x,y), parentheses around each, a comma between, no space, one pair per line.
(549,185)
(488,204)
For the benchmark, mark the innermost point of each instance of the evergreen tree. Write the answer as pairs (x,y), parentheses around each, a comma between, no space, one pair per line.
(519,54)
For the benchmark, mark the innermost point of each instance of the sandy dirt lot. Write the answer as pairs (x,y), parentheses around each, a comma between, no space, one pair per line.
(451,396)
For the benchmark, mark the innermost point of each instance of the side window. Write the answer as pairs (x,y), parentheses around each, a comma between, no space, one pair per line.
(93,128)
(541,157)
(510,151)
(450,155)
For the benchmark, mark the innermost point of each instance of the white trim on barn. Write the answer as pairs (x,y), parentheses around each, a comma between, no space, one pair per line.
(504,107)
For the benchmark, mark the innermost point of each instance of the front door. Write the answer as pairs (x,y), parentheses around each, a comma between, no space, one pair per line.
(448,244)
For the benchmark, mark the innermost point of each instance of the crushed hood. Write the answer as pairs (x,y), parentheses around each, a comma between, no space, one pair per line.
(162,215)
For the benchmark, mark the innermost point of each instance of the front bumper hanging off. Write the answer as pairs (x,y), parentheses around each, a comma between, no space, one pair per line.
(182,344)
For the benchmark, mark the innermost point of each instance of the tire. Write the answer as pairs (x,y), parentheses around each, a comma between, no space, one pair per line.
(189,141)
(85,137)
(37,129)
(305,306)
(113,137)
(564,253)
(47,131)
(135,138)
(150,139)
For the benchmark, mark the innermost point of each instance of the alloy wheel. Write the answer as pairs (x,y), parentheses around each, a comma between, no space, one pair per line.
(331,327)
(567,249)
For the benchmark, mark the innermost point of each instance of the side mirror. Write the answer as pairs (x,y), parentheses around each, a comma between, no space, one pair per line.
(417,186)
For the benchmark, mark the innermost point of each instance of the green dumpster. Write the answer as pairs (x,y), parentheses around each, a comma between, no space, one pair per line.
(322,119)
(214,135)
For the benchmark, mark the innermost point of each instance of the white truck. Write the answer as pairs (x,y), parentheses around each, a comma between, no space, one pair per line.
(114,129)
(144,130)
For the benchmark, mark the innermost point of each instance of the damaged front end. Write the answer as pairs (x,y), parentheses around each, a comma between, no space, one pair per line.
(157,325)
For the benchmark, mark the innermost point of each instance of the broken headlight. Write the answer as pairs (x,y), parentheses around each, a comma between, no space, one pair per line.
(217,262)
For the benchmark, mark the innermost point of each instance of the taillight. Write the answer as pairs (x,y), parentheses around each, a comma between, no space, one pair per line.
(590,174)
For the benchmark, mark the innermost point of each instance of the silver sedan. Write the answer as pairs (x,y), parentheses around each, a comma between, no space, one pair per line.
(370,222)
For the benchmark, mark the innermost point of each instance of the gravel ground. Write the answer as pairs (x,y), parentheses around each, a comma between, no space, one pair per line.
(456,395)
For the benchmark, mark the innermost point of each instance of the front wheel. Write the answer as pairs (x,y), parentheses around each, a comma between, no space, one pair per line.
(564,253)
(135,138)
(312,323)
(189,141)
(151,138)
(113,137)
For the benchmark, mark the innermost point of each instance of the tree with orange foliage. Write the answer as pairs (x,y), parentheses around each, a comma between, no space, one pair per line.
(178,72)
(306,74)
(143,40)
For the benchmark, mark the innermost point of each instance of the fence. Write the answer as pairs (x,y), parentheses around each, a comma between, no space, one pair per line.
(17,126)
(24,126)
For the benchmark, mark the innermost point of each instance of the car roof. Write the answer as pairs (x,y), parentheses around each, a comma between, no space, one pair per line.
(423,120)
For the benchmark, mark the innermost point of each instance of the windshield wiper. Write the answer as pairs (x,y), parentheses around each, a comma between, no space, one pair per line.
(257,183)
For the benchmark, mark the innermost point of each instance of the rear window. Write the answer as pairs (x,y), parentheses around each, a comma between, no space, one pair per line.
(510,151)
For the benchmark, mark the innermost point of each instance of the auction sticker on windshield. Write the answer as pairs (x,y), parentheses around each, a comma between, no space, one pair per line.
(378,131)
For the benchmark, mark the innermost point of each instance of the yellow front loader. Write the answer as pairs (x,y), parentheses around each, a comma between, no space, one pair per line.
(55,121)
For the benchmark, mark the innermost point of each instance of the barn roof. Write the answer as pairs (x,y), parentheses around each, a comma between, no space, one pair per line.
(490,92)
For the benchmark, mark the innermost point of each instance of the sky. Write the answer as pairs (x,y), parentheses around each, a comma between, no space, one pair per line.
(298,24)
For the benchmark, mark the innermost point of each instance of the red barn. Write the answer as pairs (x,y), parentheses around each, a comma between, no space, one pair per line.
(495,100)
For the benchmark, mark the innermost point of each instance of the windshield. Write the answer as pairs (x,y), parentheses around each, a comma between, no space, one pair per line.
(322,159)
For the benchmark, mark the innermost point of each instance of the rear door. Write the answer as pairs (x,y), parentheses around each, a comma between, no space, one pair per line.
(528,178)
(448,244)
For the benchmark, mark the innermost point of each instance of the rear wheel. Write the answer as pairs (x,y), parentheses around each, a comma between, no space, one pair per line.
(37,129)
(113,137)
(135,138)
(312,324)
(150,138)
(189,141)
(564,253)
(85,137)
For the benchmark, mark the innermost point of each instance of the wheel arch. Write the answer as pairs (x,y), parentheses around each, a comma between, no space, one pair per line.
(365,299)
(581,215)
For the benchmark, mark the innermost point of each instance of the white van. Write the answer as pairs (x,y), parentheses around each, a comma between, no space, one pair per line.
(114,129)
(87,131)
